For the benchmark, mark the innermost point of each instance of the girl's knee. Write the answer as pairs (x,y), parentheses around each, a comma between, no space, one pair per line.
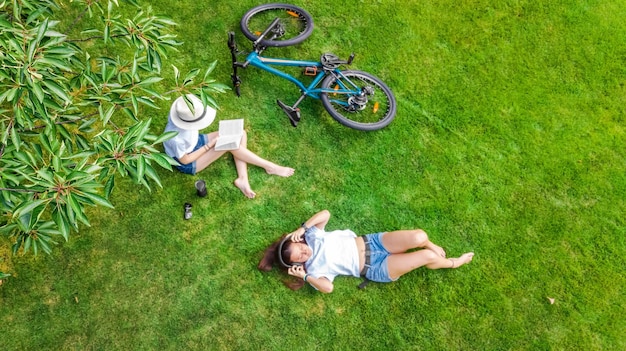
(419,237)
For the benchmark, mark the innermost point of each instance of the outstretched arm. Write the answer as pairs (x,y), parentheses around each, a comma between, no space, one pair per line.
(318,220)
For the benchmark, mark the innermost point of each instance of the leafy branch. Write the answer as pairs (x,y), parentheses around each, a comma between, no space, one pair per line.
(70,116)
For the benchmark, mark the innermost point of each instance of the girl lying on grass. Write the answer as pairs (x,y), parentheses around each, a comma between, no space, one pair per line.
(317,257)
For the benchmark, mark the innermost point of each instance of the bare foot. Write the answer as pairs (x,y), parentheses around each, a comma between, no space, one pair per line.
(436,249)
(244,186)
(464,259)
(280,171)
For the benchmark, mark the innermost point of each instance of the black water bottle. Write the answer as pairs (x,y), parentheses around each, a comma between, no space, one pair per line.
(187,210)
(200,188)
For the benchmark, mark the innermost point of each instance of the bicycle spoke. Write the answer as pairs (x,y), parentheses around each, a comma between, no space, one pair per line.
(293,22)
(358,100)
(377,103)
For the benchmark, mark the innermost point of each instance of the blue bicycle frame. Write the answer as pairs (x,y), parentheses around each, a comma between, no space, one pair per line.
(328,65)
(266,63)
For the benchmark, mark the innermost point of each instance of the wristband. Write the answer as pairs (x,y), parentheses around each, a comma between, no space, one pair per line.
(303,225)
(304,278)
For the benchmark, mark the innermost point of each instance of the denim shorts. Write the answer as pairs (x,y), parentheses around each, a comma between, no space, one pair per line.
(190,168)
(378,270)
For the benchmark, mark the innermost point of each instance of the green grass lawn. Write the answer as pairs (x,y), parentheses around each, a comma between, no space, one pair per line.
(509,141)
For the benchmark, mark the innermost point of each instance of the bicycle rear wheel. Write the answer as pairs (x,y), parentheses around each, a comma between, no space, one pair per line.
(296,23)
(370,106)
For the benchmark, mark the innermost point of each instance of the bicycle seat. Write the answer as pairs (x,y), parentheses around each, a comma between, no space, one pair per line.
(331,61)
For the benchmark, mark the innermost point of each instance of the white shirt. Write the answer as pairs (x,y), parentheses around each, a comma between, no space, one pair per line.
(181,144)
(334,253)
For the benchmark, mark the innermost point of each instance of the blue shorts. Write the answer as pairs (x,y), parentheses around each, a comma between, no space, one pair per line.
(190,168)
(378,270)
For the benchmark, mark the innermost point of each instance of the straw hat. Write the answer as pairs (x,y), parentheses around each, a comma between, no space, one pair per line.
(183,118)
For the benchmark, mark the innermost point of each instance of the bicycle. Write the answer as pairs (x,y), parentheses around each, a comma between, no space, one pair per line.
(356,99)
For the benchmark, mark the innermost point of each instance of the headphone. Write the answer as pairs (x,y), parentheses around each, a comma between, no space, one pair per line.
(280,254)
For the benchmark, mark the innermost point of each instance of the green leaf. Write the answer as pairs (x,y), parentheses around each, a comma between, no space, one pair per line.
(61,223)
(57,90)
(165,136)
(32,46)
(147,102)
(43,139)
(130,113)
(8,229)
(51,61)
(209,70)
(77,209)
(176,75)
(190,76)
(99,200)
(47,176)
(107,33)
(18,243)
(44,244)
(62,52)
(7,95)
(74,204)
(43,27)
(27,244)
(150,80)
(141,167)
(108,187)
(153,175)
(54,34)
(133,100)
(61,129)
(28,207)
(108,114)
(15,139)
(133,71)
(82,142)
(36,89)
(71,217)
(157,62)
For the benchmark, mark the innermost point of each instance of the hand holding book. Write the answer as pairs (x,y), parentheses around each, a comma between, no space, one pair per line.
(230,134)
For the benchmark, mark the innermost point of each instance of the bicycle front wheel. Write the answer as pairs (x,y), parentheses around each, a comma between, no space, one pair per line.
(296,24)
(359,100)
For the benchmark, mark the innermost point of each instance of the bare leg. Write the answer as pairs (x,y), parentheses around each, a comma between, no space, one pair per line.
(402,240)
(242,181)
(242,157)
(210,156)
(242,171)
(247,156)
(400,264)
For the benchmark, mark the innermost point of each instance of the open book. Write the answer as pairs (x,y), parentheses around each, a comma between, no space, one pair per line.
(231,131)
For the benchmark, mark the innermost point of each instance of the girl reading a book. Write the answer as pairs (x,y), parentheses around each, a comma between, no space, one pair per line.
(316,257)
(194,151)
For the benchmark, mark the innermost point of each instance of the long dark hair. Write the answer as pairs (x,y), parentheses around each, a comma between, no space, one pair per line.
(270,257)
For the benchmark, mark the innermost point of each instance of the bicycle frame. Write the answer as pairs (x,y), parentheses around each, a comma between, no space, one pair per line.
(266,63)
(328,65)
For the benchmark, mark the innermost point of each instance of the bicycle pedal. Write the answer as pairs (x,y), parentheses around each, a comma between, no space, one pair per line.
(292,113)
(310,71)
